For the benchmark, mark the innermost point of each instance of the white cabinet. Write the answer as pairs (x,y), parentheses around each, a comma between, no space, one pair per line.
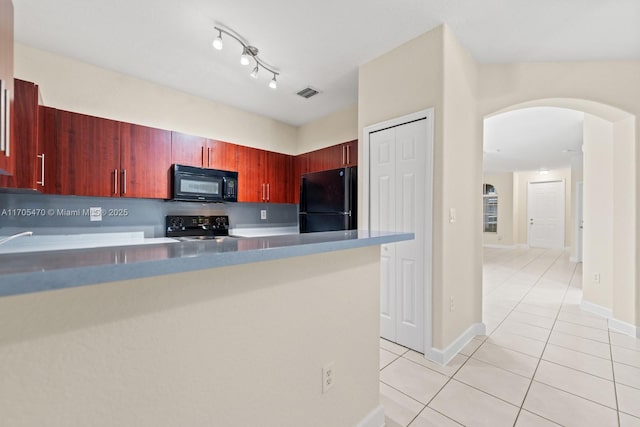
(399,198)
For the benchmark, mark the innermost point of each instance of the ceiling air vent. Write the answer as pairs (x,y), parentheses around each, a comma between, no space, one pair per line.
(308,92)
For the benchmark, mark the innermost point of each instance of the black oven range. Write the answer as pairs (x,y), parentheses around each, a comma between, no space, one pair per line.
(197,227)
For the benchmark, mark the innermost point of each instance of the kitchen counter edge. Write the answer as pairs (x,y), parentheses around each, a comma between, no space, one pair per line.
(44,271)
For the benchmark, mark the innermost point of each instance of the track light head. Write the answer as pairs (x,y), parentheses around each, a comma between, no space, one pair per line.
(254,73)
(244,58)
(217,42)
(272,83)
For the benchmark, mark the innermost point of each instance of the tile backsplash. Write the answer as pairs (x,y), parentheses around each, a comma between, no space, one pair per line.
(53,214)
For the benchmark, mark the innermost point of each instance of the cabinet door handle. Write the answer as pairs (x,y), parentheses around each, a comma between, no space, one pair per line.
(343,154)
(209,156)
(348,155)
(263,192)
(3,116)
(115,181)
(202,156)
(7,123)
(41,156)
(268,192)
(124,181)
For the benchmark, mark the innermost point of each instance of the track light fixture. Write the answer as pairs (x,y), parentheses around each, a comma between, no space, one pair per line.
(248,53)
(217,42)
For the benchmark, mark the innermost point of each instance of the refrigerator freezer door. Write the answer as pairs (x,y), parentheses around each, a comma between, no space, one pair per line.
(326,191)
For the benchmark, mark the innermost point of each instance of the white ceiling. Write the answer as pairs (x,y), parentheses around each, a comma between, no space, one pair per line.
(532,139)
(321,43)
(314,42)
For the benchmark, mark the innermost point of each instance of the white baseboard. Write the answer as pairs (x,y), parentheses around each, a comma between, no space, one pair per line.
(374,419)
(574,259)
(494,246)
(615,324)
(596,309)
(444,356)
(624,327)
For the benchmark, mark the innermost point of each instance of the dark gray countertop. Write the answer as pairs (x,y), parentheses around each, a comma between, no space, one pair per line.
(41,271)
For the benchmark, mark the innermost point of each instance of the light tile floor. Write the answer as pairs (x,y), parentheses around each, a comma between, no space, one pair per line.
(545,362)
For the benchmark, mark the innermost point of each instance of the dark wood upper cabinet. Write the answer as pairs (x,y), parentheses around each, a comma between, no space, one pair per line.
(300,167)
(222,155)
(264,176)
(88,155)
(7,142)
(251,185)
(351,153)
(333,157)
(145,162)
(47,157)
(24,135)
(278,177)
(189,150)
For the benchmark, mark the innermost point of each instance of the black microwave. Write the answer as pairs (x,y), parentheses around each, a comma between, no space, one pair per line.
(204,185)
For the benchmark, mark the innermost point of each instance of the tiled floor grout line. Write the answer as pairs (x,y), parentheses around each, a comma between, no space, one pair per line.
(550,288)
(615,384)
(545,345)
(527,293)
(516,272)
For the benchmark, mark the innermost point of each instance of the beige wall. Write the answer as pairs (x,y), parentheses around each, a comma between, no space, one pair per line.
(434,70)
(521,182)
(341,126)
(402,81)
(461,176)
(73,85)
(503,183)
(235,346)
(598,211)
(626,293)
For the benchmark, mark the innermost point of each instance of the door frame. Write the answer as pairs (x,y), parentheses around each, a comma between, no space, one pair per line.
(564,209)
(364,207)
(578,219)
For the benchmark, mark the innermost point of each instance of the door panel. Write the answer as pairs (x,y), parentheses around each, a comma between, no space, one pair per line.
(382,217)
(546,214)
(411,154)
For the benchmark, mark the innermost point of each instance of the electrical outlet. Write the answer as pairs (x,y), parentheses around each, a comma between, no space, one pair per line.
(596,277)
(328,376)
(452,215)
(263,214)
(452,304)
(95,214)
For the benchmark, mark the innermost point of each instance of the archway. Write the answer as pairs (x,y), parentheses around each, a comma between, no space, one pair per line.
(609,200)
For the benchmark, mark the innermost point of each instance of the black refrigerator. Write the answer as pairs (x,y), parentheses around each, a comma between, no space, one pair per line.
(328,200)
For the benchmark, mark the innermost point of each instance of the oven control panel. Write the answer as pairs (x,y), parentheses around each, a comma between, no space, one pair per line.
(197,225)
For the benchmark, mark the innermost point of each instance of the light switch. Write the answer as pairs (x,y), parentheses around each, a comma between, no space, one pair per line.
(452,215)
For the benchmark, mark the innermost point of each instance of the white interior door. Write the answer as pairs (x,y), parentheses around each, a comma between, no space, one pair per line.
(579,221)
(398,158)
(546,214)
(383,217)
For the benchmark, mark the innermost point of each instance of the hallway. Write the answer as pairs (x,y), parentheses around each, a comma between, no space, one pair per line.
(545,362)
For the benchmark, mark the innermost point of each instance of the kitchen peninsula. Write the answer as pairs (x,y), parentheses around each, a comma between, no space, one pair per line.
(232,332)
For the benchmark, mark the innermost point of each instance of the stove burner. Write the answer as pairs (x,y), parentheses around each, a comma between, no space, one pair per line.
(202,227)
